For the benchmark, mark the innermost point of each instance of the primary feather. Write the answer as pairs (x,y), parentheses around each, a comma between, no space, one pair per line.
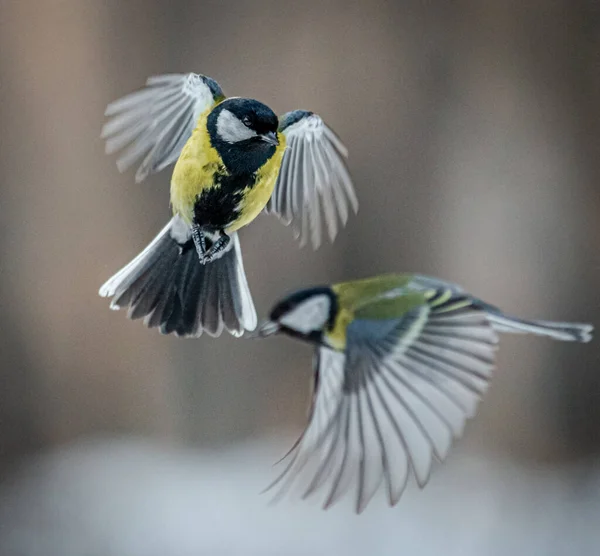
(158,120)
(314,187)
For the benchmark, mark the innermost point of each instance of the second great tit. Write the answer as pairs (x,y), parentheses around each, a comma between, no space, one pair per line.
(401,362)
(233,158)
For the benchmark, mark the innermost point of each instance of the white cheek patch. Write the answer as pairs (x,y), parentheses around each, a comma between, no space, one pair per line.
(231,129)
(310,315)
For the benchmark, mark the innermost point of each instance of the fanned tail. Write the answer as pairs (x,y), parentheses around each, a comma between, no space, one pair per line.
(168,286)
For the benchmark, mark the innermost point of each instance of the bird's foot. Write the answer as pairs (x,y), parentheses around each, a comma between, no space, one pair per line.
(209,245)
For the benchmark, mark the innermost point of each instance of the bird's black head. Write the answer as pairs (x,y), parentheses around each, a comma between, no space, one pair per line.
(304,314)
(244,132)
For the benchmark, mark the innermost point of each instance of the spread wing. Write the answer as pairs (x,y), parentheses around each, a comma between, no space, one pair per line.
(397,398)
(314,189)
(156,121)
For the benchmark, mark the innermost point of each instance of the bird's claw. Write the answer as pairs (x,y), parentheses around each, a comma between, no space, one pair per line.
(208,247)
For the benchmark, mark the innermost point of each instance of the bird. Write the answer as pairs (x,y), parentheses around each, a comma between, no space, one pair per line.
(401,362)
(233,159)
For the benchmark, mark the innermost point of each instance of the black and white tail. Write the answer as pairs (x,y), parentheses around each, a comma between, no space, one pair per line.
(565,331)
(168,286)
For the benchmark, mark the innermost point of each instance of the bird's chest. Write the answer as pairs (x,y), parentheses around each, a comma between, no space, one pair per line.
(256,195)
(336,336)
(197,169)
(203,190)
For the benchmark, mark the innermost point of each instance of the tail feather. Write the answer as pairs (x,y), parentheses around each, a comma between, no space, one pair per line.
(565,331)
(168,286)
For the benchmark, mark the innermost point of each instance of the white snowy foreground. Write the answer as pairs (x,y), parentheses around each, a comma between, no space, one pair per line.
(132,498)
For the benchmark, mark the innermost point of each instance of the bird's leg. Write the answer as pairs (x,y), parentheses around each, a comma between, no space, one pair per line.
(219,245)
(199,238)
(209,245)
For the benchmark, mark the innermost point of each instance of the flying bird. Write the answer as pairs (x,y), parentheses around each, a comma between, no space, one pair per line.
(233,159)
(401,362)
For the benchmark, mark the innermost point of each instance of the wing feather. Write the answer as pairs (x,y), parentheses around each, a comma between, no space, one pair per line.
(394,401)
(157,120)
(344,468)
(313,182)
(423,412)
(324,413)
(328,205)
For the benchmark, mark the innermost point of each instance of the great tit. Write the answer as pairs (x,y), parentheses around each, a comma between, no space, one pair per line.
(401,361)
(233,158)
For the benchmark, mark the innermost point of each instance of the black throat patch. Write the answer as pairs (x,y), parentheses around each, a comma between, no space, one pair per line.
(243,157)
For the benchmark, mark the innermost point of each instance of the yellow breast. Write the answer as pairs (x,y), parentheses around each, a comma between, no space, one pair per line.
(256,197)
(194,170)
(336,337)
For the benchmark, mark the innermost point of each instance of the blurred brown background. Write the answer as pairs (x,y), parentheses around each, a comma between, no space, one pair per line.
(474,133)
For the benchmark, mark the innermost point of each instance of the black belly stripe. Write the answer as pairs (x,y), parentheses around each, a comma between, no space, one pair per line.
(216,207)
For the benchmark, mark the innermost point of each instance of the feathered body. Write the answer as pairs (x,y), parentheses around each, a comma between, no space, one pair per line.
(393,296)
(402,361)
(205,189)
(233,159)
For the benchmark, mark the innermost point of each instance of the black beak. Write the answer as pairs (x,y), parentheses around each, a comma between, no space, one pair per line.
(270,137)
(268,328)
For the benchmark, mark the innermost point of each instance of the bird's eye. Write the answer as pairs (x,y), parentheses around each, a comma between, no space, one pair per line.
(246,121)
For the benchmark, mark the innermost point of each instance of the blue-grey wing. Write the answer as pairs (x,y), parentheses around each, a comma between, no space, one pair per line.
(393,401)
